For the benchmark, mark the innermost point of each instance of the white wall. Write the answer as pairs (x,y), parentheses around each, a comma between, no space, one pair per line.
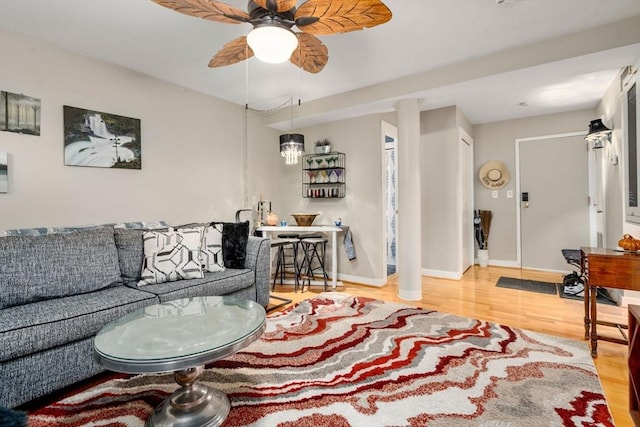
(609,109)
(496,141)
(362,208)
(265,165)
(192,146)
(439,191)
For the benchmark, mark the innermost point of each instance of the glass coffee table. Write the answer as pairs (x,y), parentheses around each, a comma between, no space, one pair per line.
(182,336)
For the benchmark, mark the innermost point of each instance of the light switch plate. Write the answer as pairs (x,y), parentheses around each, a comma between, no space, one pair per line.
(509,194)
(494,194)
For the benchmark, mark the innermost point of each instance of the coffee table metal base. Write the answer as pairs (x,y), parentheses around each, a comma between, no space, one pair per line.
(192,404)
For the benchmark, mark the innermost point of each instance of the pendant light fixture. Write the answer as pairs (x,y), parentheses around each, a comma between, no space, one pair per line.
(291,144)
(291,147)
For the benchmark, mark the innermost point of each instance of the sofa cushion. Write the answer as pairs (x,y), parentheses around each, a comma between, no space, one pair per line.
(130,253)
(234,243)
(36,268)
(35,327)
(218,283)
(171,255)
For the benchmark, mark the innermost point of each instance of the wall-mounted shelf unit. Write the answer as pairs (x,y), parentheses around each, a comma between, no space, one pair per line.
(323,175)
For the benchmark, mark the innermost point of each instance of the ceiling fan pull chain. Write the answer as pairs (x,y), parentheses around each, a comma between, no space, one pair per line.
(290,114)
(246,74)
(299,72)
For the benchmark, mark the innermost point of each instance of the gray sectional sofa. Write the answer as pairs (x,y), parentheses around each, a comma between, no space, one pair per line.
(57,290)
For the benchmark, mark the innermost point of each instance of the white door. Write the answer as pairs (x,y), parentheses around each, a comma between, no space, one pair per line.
(389,146)
(466,198)
(554,199)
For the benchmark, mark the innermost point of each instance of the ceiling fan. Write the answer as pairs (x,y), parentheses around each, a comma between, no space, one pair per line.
(272,38)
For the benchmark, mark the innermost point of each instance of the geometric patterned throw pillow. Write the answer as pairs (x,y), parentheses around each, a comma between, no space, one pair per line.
(211,249)
(171,255)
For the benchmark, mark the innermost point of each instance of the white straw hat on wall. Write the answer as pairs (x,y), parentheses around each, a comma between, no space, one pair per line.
(494,175)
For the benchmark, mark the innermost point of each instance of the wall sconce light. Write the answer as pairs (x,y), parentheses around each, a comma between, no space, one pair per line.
(598,133)
(291,147)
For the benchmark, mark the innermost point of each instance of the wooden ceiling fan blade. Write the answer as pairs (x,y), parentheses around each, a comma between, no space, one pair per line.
(311,54)
(235,51)
(323,17)
(207,9)
(276,5)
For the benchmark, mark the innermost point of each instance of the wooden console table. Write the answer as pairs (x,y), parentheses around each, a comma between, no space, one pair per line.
(634,363)
(611,269)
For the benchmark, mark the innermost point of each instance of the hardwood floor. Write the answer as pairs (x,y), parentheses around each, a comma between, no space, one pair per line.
(476,296)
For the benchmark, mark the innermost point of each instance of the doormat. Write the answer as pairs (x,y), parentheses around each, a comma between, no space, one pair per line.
(527,285)
(603,295)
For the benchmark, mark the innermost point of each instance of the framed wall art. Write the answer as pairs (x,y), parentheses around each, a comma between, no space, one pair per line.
(19,113)
(102,140)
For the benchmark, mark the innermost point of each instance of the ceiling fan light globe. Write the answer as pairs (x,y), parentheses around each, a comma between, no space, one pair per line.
(272,43)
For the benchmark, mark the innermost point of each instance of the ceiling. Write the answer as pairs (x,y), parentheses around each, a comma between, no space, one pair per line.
(416,54)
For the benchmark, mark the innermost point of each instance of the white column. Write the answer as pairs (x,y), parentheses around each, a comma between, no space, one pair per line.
(409,257)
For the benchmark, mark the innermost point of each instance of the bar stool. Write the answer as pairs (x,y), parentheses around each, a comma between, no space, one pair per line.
(313,251)
(286,258)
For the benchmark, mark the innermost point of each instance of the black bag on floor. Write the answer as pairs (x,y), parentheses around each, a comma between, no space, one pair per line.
(572,284)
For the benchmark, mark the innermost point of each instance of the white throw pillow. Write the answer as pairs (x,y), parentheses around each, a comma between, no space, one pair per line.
(171,255)
(211,248)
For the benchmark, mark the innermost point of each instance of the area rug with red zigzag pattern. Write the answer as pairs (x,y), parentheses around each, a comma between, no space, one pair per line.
(341,360)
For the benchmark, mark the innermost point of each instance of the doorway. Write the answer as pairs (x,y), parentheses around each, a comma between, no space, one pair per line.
(389,147)
(553,210)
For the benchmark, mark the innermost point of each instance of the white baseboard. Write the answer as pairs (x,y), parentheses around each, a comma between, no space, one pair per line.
(515,264)
(630,300)
(441,274)
(378,283)
(502,263)
(546,270)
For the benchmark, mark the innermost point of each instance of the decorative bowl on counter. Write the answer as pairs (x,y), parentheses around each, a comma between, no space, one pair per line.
(304,219)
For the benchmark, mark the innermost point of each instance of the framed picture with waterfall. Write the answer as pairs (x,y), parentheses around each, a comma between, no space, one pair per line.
(102,140)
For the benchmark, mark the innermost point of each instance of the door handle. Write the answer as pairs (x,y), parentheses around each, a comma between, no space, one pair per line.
(525,199)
